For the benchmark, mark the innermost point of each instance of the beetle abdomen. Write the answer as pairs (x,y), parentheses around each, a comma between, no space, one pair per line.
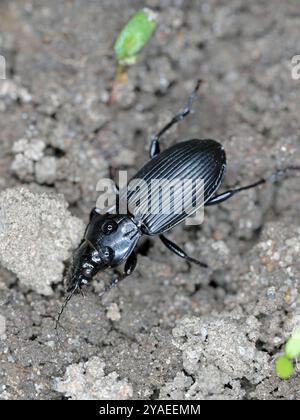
(187,161)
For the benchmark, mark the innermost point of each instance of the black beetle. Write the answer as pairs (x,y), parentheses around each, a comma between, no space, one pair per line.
(110,240)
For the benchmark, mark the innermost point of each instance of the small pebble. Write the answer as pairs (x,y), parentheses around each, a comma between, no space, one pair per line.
(113,312)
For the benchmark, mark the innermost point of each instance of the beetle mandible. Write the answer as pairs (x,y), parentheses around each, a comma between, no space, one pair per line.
(110,239)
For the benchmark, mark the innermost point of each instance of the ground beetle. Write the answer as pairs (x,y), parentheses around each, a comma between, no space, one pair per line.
(110,240)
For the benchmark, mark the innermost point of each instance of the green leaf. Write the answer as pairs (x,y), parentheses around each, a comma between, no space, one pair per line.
(135,35)
(284,367)
(292,347)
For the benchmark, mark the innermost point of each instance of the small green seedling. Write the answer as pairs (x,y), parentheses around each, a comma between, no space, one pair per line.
(134,36)
(284,367)
(284,364)
(292,347)
(130,41)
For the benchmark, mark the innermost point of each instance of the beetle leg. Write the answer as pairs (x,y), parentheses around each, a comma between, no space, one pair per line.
(128,270)
(274,177)
(112,175)
(154,146)
(178,251)
(228,194)
(94,212)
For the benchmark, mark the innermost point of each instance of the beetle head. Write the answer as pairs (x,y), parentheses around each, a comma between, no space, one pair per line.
(87,262)
(108,242)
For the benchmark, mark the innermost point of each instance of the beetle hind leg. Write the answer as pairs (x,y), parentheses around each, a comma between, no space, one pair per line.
(274,177)
(180,252)
(154,145)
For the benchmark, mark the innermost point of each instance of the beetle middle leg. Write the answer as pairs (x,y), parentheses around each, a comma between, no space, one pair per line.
(180,252)
(128,270)
(154,146)
(274,177)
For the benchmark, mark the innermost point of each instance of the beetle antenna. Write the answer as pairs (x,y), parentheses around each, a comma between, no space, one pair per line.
(63,307)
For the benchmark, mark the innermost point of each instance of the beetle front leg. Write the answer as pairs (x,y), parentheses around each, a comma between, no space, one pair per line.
(274,177)
(113,176)
(179,252)
(128,270)
(154,146)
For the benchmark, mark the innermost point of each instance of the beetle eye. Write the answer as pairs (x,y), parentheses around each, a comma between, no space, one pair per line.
(109,226)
